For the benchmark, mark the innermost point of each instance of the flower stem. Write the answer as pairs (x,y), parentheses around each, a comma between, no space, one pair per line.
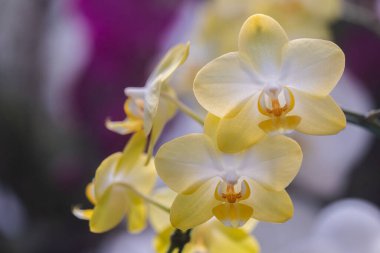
(148,199)
(178,240)
(184,108)
(370,121)
(362,16)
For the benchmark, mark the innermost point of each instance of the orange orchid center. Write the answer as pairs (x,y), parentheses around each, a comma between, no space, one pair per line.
(231,196)
(227,192)
(276,102)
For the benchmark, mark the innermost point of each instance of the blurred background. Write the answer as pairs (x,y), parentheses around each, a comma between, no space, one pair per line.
(65,63)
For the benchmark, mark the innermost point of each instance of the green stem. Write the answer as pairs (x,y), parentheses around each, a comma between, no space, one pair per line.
(370,121)
(184,108)
(357,14)
(148,199)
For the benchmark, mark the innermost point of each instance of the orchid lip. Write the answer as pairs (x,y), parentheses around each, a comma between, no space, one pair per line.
(275,101)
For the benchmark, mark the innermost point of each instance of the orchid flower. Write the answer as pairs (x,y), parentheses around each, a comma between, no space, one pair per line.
(271,84)
(145,108)
(117,190)
(211,237)
(222,19)
(231,187)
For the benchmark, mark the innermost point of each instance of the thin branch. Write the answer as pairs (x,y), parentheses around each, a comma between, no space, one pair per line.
(147,198)
(370,121)
(184,108)
(178,240)
(374,115)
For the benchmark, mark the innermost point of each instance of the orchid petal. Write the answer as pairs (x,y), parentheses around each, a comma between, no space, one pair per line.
(110,209)
(319,115)
(233,215)
(273,162)
(225,84)
(268,205)
(90,193)
(124,127)
(313,66)
(186,162)
(104,176)
(227,239)
(141,178)
(132,151)
(171,61)
(136,213)
(211,126)
(83,214)
(240,132)
(175,57)
(166,111)
(261,39)
(280,125)
(190,210)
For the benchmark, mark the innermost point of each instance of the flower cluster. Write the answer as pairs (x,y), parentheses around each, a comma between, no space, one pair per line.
(124,180)
(236,172)
(118,189)
(238,169)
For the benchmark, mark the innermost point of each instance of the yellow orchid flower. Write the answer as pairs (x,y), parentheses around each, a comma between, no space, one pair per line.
(118,189)
(145,108)
(231,187)
(151,93)
(271,84)
(210,237)
(300,18)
